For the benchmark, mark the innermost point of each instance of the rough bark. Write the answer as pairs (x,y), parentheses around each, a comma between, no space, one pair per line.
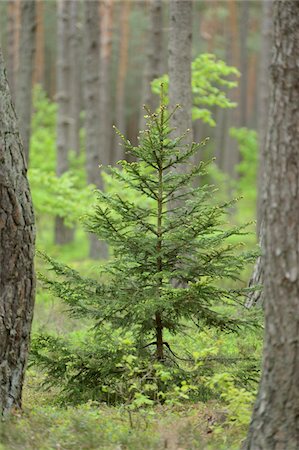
(153,65)
(179,66)
(25,74)
(94,154)
(63,234)
(120,119)
(17,236)
(275,420)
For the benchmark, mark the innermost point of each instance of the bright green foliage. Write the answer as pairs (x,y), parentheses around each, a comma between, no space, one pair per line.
(209,85)
(171,256)
(66,196)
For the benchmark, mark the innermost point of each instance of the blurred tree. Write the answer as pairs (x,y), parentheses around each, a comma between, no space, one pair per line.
(275,418)
(39,63)
(17,279)
(256,297)
(95,154)
(244,22)
(63,234)
(25,72)
(153,66)
(75,40)
(13,38)
(121,77)
(106,15)
(179,66)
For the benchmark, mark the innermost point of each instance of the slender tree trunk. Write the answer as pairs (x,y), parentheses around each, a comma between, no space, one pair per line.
(75,77)
(25,75)
(244,62)
(120,118)
(17,237)
(63,234)
(94,152)
(257,277)
(275,420)
(39,65)
(153,65)
(13,42)
(106,14)
(179,66)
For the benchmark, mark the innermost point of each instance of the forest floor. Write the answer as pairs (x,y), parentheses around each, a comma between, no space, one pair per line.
(42,425)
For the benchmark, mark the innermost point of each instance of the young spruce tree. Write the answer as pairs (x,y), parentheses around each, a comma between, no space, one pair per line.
(171,253)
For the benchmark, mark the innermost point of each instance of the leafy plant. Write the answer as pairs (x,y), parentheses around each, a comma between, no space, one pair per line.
(210,81)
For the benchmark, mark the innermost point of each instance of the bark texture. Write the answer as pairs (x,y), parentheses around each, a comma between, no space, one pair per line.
(275,421)
(179,66)
(17,236)
(94,154)
(25,74)
(153,66)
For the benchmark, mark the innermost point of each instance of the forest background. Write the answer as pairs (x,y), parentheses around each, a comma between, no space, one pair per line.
(63,175)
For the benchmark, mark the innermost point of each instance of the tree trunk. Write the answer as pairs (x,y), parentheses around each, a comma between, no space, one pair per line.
(243,62)
(94,152)
(17,237)
(106,13)
(179,66)
(257,277)
(25,75)
(75,78)
(63,234)
(13,38)
(153,65)
(120,118)
(275,418)
(39,65)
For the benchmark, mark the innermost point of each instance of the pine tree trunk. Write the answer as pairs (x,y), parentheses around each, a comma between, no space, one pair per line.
(94,152)
(13,42)
(17,232)
(39,65)
(120,119)
(243,62)
(153,65)
(25,75)
(179,64)
(274,423)
(257,277)
(63,234)
(75,77)
(106,13)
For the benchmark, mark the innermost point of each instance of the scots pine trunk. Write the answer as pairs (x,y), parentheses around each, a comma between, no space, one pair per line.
(275,420)
(75,77)
(106,13)
(17,236)
(39,64)
(63,234)
(179,66)
(256,297)
(25,73)
(94,152)
(120,118)
(153,65)
(13,42)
